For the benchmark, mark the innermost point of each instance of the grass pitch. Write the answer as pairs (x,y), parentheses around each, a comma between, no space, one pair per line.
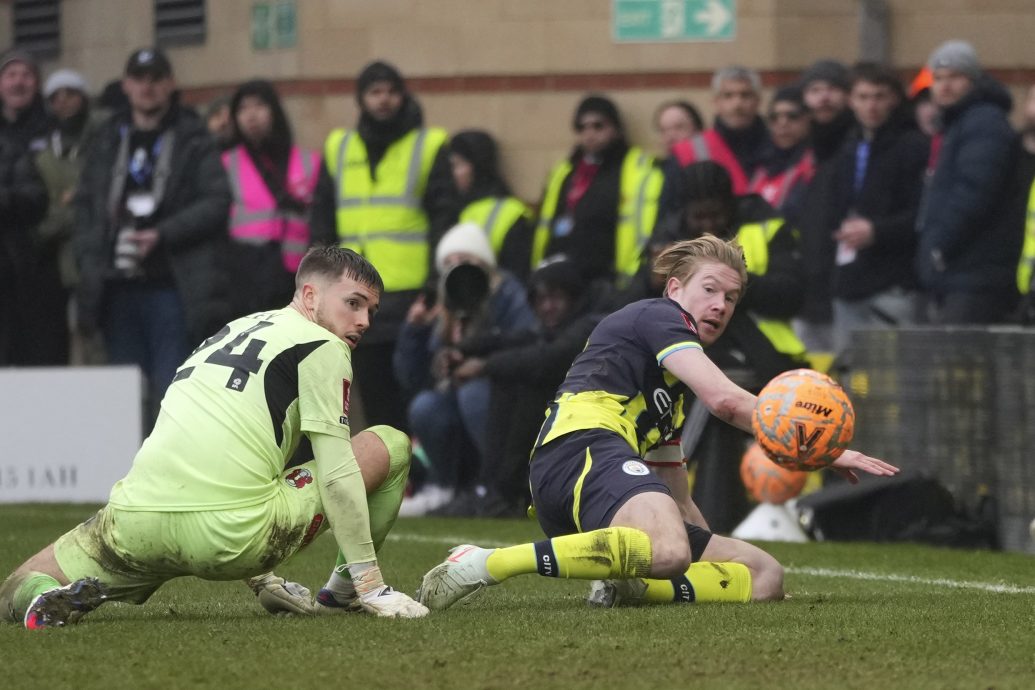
(861,616)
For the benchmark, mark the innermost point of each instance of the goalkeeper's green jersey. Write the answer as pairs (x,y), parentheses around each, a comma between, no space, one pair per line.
(237,414)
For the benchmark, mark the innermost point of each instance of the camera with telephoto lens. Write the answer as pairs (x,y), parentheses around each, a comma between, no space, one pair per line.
(465,288)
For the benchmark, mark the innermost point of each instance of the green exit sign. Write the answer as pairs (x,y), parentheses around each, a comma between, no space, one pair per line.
(649,21)
(274,25)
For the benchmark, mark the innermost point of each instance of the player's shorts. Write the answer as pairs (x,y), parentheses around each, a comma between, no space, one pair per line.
(133,553)
(580,480)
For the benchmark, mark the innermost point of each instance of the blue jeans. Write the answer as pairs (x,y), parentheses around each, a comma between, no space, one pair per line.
(146,326)
(451,426)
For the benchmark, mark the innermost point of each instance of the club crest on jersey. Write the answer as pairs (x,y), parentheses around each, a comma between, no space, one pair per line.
(345,384)
(635,468)
(299,478)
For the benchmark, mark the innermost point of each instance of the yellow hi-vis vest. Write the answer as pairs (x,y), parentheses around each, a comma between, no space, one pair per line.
(639,190)
(755,239)
(496,215)
(382,218)
(1027,264)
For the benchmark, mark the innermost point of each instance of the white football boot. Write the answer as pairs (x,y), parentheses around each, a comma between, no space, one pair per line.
(458,578)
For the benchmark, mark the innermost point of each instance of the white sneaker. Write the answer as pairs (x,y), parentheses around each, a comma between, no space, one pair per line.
(427,499)
(608,594)
(458,578)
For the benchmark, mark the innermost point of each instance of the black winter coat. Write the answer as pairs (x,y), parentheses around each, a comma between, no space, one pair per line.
(961,215)
(192,219)
(23,203)
(889,198)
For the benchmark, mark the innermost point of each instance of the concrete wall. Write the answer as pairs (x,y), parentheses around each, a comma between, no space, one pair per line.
(517,67)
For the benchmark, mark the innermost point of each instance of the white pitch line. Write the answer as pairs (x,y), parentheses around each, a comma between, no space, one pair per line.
(997,588)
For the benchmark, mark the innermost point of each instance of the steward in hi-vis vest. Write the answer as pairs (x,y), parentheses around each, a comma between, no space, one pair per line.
(386,191)
(487,201)
(600,204)
(273,182)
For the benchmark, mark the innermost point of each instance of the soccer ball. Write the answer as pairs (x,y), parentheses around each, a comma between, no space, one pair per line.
(766,481)
(803,420)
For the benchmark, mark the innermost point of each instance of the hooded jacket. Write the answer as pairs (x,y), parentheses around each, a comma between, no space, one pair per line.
(963,245)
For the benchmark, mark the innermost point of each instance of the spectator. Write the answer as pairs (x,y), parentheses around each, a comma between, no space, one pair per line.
(24,116)
(487,201)
(272,181)
(877,183)
(758,342)
(524,370)
(386,191)
(449,418)
(151,209)
(676,121)
(787,164)
(825,86)
(59,165)
(738,137)
(967,255)
(924,109)
(1020,214)
(23,201)
(220,123)
(600,203)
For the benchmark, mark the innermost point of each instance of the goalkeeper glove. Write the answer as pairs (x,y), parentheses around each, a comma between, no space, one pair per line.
(279,596)
(377,598)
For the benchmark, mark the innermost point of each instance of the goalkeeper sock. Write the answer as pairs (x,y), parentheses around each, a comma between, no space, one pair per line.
(382,505)
(702,582)
(613,552)
(19,591)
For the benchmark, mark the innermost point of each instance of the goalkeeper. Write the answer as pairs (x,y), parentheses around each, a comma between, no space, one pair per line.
(250,458)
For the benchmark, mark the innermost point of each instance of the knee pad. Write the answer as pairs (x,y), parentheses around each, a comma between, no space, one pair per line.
(398,445)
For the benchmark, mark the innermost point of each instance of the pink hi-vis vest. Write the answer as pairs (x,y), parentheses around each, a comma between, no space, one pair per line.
(709,146)
(254,216)
(775,188)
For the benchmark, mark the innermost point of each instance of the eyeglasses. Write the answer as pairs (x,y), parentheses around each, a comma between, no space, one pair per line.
(590,124)
(789,115)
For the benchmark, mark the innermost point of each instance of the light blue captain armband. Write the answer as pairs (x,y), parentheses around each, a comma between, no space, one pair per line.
(676,347)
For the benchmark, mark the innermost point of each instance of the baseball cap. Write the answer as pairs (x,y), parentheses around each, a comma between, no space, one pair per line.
(148,62)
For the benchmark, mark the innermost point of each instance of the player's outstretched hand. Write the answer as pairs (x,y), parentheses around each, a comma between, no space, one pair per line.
(278,596)
(388,603)
(852,461)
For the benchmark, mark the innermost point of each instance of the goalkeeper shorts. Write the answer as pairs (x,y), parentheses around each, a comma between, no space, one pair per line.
(134,552)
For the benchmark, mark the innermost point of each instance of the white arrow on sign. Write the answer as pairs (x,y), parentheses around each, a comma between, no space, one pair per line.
(714,16)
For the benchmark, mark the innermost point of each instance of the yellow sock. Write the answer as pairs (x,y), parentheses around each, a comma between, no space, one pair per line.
(614,552)
(703,582)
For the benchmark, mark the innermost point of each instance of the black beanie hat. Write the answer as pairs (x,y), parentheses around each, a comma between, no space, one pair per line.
(378,71)
(478,148)
(602,105)
(558,273)
(830,71)
(789,94)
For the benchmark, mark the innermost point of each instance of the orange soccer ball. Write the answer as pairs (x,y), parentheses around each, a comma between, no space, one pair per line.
(803,420)
(766,481)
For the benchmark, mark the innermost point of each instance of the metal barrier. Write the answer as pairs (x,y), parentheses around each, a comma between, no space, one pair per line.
(958,403)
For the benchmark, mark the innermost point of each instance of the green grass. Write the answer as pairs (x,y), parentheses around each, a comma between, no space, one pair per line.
(838,630)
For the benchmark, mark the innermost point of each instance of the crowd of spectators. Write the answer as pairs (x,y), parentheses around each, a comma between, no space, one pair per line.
(132,226)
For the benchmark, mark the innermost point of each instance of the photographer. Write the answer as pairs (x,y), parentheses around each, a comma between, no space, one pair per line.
(449,420)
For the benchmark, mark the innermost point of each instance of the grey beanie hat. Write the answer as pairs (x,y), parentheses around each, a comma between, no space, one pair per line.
(956,55)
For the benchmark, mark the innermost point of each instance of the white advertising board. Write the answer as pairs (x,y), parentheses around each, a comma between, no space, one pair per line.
(67,434)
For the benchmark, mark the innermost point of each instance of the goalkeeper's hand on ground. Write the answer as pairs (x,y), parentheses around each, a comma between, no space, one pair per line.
(377,598)
(278,596)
